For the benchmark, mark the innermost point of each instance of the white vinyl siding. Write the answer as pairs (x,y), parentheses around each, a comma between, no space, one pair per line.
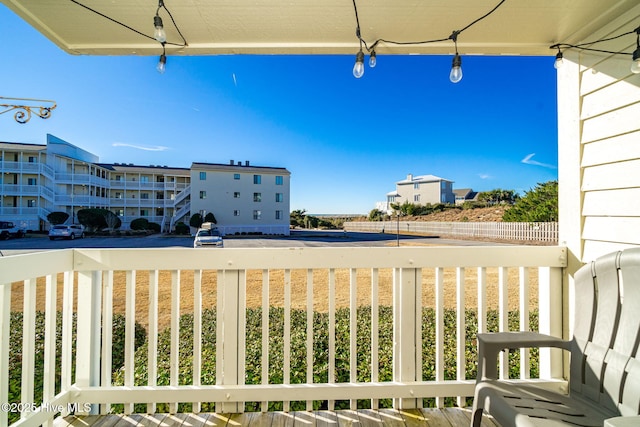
(599,149)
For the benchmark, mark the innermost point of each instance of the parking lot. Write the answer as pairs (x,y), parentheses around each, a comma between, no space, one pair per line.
(298,238)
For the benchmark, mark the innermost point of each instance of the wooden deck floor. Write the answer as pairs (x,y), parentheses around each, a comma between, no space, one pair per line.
(448,417)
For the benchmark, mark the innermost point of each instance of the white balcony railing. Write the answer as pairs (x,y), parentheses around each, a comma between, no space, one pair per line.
(157,286)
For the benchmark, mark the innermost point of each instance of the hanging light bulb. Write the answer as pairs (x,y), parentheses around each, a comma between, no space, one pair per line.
(635,65)
(159,32)
(162,64)
(358,67)
(372,59)
(559,60)
(456,69)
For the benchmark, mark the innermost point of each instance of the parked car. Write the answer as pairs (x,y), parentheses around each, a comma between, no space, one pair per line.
(208,237)
(62,231)
(8,229)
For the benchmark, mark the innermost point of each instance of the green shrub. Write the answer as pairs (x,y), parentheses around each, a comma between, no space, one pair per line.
(182,228)
(253,351)
(139,224)
(15,353)
(155,227)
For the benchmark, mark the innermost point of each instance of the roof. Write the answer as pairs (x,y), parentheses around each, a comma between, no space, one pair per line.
(316,27)
(422,178)
(238,167)
(22,146)
(130,167)
(466,193)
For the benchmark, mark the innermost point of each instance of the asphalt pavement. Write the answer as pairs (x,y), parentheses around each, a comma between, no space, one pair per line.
(297,239)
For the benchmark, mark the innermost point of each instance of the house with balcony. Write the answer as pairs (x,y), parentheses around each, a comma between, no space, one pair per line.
(599,213)
(419,190)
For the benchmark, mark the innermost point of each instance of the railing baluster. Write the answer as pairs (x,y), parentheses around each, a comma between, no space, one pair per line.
(503,319)
(107,335)
(241,330)
(89,317)
(265,334)
(353,331)
(332,333)
(524,320)
(550,319)
(286,375)
(197,335)
(28,342)
(67,334)
(374,331)
(482,300)
(152,353)
(418,331)
(439,330)
(49,374)
(174,363)
(130,333)
(404,324)
(309,333)
(5,336)
(461,359)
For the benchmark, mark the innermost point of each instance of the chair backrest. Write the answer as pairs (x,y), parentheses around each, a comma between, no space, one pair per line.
(605,364)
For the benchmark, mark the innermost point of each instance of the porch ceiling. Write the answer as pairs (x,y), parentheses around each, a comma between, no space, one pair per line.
(317,27)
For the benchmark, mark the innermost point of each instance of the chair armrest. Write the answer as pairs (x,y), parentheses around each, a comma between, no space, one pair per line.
(490,345)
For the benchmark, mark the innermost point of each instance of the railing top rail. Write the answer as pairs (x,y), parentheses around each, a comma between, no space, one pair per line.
(302,258)
(35,264)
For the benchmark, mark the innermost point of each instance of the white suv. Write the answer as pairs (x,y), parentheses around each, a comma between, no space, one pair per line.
(66,231)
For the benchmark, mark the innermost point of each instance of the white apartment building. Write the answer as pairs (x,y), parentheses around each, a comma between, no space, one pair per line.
(243,198)
(422,190)
(36,180)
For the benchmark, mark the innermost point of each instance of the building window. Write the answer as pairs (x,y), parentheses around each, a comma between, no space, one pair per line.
(236,176)
(32,181)
(144,196)
(203,176)
(278,214)
(257,179)
(391,199)
(32,159)
(236,194)
(144,179)
(257,215)
(31,203)
(144,212)
(257,197)
(118,178)
(236,212)
(203,194)
(279,180)
(416,197)
(120,212)
(416,186)
(279,197)
(118,195)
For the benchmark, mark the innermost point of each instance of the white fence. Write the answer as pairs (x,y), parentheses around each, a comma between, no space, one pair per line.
(158,286)
(523,231)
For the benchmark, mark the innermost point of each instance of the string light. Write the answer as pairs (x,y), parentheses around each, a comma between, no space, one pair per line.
(456,69)
(558,63)
(587,46)
(372,59)
(162,63)
(358,67)
(159,33)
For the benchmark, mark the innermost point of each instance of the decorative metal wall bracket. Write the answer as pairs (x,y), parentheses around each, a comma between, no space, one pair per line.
(24,107)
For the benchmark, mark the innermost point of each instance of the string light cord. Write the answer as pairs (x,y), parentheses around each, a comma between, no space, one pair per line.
(131,28)
(161,5)
(453,35)
(583,46)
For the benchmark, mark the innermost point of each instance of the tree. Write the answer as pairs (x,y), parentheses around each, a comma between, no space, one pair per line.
(376,215)
(58,217)
(196,220)
(297,218)
(537,205)
(498,196)
(210,217)
(97,219)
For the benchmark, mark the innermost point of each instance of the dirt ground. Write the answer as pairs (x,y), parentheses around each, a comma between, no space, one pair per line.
(276,283)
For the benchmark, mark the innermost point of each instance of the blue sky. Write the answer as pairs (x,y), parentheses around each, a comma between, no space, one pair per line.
(346,141)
